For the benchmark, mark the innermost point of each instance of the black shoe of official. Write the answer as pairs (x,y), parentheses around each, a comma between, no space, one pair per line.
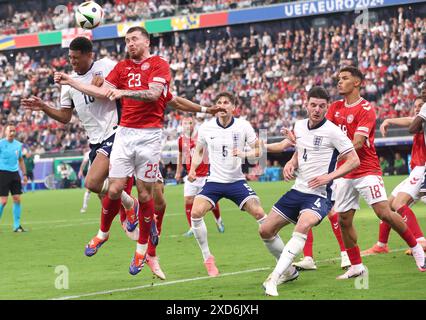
(19,229)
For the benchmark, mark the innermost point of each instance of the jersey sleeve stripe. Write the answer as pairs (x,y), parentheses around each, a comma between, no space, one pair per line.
(110,84)
(347,151)
(158,79)
(361,133)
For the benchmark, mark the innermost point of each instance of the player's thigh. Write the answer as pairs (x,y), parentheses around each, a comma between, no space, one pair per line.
(15,184)
(122,155)
(254,208)
(5,180)
(147,155)
(145,190)
(97,173)
(346,195)
(116,187)
(273,223)
(191,189)
(200,207)
(372,189)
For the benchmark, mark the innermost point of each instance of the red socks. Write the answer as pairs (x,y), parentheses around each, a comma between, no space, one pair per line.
(145,216)
(354,255)
(188,208)
(309,244)
(411,221)
(216,211)
(110,209)
(159,215)
(409,238)
(384,230)
(334,220)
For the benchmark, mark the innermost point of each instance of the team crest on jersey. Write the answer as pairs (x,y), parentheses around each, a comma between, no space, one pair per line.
(99,73)
(350,118)
(337,114)
(145,66)
(317,142)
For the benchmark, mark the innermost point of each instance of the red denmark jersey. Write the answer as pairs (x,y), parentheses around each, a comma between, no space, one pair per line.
(418,152)
(132,75)
(187,147)
(358,118)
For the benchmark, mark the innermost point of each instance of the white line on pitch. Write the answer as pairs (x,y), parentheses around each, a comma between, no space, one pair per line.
(186,280)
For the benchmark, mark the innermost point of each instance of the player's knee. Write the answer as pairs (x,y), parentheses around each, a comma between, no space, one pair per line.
(92,185)
(160,205)
(344,221)
(114,191)
(265,232)
(189,200)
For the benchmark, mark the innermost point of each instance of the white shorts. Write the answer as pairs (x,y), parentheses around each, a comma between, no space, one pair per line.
(412,184)
(191,189)
(371,188)
(136,151)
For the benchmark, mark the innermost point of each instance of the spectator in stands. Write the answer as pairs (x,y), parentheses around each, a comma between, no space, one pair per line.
(384,165)
(399,165)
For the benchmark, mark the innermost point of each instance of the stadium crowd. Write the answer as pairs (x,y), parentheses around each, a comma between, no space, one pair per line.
(17,19)
(268,68)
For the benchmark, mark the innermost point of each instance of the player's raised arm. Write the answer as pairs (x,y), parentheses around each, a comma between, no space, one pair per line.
(196,161)
(351,162)
(183,104)
(279,147)
(89,89)
(34,103)
(417,124)
(400,122)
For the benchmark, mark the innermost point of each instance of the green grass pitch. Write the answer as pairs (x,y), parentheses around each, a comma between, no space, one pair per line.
(58,233)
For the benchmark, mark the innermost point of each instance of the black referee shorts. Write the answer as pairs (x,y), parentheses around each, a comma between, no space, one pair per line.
(10,181)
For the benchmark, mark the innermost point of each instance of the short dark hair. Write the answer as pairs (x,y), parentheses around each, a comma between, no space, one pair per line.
(353,71)
(228,95)
(140,29)
(319,92)
(81,44)
(418,98)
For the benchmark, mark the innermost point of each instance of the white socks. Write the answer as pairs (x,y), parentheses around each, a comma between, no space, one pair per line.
(200,233)
(141,248)
(102,235)
(293,247)
(105,186)
(86,199)
(127,200)
(274,245)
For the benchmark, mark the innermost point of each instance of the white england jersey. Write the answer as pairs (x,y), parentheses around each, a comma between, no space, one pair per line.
(220,142)
(98,116)
(317,151)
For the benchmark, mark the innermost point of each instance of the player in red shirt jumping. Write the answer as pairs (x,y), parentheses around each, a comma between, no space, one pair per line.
(357,118)
(186,144)
(142,83)
(408,191)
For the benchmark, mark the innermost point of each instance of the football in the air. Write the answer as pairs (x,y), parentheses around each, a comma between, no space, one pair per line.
(89,15)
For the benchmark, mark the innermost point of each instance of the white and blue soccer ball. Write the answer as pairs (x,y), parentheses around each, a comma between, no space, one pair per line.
(89,15)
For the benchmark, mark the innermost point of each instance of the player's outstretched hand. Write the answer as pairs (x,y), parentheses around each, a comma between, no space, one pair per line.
(32,103)
(61,78)
(319,181)
(177,176)
(289,134)
(288,171)
(384,128)
(97,81)
(114,94)
(215,109)
(192,176)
